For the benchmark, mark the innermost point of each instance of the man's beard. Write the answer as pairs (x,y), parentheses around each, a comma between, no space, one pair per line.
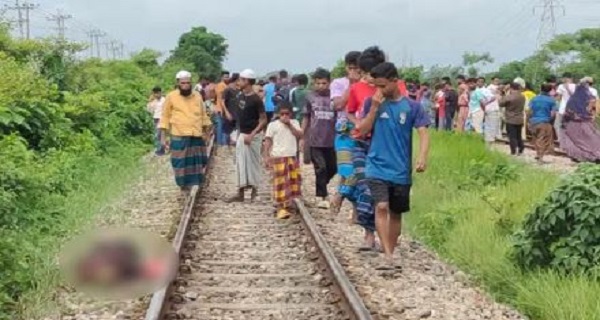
(185,93)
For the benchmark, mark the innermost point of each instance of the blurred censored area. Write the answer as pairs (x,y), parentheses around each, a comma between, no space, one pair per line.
(118,264)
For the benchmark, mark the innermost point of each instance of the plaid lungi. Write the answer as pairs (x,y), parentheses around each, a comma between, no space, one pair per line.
(356,190)
(287,181)
(188,158)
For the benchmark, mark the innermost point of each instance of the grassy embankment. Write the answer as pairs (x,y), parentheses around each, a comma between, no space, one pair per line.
(105,179)
(468,216)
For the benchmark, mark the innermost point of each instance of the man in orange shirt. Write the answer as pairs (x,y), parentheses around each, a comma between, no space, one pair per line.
(222,114)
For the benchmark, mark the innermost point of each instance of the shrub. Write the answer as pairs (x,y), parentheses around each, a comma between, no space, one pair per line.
(563,232)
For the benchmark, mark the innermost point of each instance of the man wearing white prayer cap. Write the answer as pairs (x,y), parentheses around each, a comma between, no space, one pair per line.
(185,119)
(252,119)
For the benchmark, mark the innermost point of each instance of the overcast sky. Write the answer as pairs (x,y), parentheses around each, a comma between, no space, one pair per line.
(267,35)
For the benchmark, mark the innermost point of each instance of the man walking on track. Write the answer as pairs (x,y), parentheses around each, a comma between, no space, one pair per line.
(222,114)
(252,119)
(319,120)
(155,106)
(391,119)
(281,154)
(185,118)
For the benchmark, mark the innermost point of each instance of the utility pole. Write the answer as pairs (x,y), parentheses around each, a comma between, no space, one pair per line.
(60,19)
(23,16)
(114,48)
(122,50)
(3,19)
(95,36)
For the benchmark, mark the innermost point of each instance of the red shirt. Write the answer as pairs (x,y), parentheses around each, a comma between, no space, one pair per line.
(361,91)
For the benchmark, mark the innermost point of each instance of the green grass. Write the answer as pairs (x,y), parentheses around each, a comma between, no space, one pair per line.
(107,178)
(471,225)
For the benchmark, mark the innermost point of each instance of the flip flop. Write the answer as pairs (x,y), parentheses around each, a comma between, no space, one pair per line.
(376,247)
(386,265)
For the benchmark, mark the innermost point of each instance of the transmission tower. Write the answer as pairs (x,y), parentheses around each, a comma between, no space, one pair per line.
(60,19)
(23,16)
(547,29)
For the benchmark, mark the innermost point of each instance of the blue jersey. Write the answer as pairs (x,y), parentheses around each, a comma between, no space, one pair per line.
(390,153)
(270,91)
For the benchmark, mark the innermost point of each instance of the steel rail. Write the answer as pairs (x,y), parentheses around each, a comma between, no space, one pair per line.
(352,303)
(159,298)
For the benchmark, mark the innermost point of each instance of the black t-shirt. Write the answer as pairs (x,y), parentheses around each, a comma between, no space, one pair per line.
(250,109)
(231,100)
(451,100)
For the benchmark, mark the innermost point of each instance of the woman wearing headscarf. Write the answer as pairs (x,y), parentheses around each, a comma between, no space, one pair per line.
(581,138)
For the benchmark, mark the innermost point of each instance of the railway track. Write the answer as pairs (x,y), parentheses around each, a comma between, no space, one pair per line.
(529,145)
(238,262)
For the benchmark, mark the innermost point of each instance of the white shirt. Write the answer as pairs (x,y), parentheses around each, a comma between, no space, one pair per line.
(565,96)
(494,106)
(594,92)
(285,143)
(493,88)
(156,107)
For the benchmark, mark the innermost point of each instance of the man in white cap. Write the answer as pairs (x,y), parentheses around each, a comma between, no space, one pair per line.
(252,119)
(185,119)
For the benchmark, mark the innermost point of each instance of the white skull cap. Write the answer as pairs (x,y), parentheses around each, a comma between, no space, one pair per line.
(587,80)
(183,75)
(248,74)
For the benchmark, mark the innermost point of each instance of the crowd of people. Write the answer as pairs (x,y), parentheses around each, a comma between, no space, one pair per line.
(359,127)
(562,113)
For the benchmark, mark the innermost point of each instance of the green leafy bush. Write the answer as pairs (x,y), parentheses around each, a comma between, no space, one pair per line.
(563,232)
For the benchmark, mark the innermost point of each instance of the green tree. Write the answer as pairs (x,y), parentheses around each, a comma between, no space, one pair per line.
(411,73)
(436,72)
(474,61)
(339,70)
(578,53)
(147,60)
(205,50)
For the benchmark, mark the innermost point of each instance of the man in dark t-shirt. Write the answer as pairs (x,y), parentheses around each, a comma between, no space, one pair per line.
(230,102)
(319,121)
(451,105)
(252,118)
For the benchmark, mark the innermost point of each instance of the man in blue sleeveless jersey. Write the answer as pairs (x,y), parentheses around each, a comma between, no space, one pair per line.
(391,119)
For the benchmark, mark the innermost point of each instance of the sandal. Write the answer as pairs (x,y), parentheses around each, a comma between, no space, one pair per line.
(387,265)
(376,247)
(236,198)
(283,214)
